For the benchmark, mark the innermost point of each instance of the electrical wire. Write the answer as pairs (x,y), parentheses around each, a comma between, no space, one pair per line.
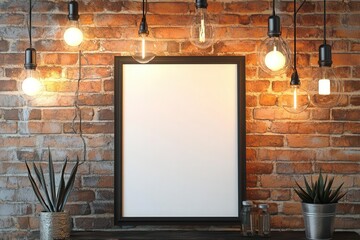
(77,114)
(29,23)
(324,22)
(273,7)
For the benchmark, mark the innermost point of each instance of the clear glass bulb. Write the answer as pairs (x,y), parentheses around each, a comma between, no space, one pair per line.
(73,36)
(295,99)
(274,55)
(31,86)
(325,89)
(202,31)
(143,50)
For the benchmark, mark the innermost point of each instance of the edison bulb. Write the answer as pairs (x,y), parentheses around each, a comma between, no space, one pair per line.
(73,36)
(143,49)
(325,89)
(31,86)
(202,31)
(275,60)
(274,55)
(294,100)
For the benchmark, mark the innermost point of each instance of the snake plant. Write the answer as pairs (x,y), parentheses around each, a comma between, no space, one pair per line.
(46,191)
(320,192)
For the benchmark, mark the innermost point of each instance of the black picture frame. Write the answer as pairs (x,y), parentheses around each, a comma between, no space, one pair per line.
(121,63)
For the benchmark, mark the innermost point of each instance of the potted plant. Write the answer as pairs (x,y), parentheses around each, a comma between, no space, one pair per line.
(319,202)
(54,221)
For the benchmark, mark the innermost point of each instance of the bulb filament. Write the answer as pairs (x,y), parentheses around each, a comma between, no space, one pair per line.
(202,31)
(143,48)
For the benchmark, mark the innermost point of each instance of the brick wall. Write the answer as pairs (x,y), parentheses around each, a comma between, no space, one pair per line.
(280,147)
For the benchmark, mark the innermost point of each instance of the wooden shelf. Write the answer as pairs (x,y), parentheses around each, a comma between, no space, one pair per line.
(197,235)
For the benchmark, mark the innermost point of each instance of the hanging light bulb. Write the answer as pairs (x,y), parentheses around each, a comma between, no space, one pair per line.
(31,85)
(73,36)
(143,48)
(326,90)
(274,53)
(295,99)
(202,31)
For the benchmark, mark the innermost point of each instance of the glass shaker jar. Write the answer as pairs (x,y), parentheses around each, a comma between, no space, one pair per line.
(246,218)
(264,221)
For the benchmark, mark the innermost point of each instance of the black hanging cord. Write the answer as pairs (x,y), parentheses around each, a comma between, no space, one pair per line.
(273,7)
(296,10)
(78,109)
(30,22)
(324,22)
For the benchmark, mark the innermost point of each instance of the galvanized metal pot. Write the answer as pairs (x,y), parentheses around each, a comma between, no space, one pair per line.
(319,220)
(54,225)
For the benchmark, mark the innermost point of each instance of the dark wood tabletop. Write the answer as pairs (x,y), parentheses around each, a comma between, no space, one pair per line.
(198,235)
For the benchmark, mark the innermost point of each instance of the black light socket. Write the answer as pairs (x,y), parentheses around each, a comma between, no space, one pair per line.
(325,59)
(143,28)
(201,3)
(73,8)
(294,79)
(274,28)
(30,58)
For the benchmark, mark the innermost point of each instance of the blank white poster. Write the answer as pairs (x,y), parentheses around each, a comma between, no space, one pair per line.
(180,140)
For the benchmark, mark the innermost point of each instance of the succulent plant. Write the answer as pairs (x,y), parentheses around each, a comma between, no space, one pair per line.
(320,192)
(53,202)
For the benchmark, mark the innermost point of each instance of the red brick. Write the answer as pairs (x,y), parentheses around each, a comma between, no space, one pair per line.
(338,167)
(280,194)
(251,180)
(286,155)
(115,20)
(169,8)
(234,47)
(257,86)
(291,168)
(247,7)
(346,141)
(259,168)
(257,194)
(267,99)
(91,128)
(251,101)
(60,59)
(98,181)
(300,141)
(346,114)
(287,222)
(292,208)
(170,32)
(96,100)
(106,114)
(346,59)
(44,127)
(8,127)
(345,222)
(264,140)
(338,155)
(168,20)
(278,181)
(256,127)
(353,86)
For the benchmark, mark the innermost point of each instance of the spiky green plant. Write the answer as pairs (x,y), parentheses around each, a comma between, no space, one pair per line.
(52,202)
(320,192)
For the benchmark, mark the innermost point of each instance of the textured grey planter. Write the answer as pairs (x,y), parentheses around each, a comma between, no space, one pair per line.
(54,225)
(319,220)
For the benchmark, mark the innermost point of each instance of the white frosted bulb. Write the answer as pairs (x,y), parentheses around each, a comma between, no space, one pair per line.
(73,36)
(275,60)
(324,87)
(31,86)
